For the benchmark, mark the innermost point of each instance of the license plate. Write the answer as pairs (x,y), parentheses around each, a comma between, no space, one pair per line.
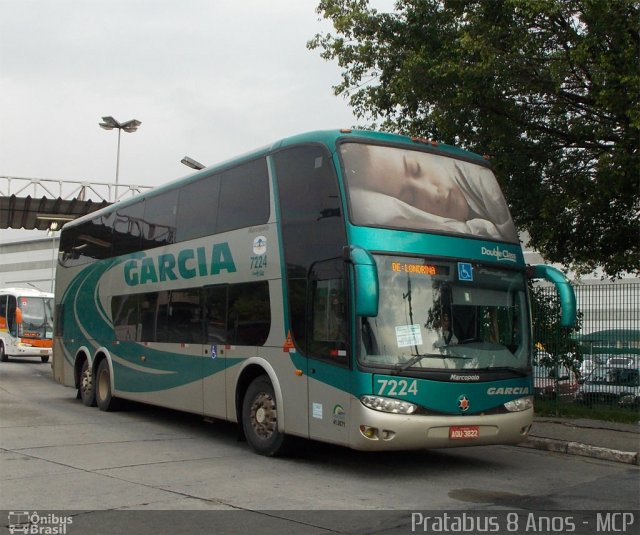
(44,352)
(464,432)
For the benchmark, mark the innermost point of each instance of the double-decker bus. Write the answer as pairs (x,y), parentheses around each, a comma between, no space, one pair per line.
(352,287)
(26,323)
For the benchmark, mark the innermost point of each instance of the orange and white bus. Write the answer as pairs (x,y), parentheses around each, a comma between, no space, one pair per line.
(26,323)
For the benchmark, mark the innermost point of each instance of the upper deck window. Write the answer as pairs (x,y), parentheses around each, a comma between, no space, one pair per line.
(409,189)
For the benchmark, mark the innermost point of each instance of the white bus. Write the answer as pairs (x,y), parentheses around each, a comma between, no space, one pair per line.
(26,323)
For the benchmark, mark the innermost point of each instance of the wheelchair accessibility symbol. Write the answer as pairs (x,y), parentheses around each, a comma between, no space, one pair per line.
(465,271)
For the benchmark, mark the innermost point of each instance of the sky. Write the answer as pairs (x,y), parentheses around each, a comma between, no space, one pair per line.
(211,79)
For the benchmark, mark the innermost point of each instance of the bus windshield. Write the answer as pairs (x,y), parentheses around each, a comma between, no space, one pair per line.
(430,316)
(37,316)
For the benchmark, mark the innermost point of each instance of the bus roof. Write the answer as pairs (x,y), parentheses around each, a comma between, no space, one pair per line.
(330,138)
(25,292)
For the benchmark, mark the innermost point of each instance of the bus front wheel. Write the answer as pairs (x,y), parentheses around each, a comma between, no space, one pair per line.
(260,418)
(102,387)
(3,353)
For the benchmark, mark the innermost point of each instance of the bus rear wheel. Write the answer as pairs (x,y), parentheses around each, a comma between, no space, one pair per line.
(260,419)
(44,358)
(85,389)
(102,387)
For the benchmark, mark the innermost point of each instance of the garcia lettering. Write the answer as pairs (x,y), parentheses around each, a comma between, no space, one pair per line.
(187,264)
(508,390)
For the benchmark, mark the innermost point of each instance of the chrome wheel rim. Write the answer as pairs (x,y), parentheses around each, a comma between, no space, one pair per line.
(86,382)
(263,415)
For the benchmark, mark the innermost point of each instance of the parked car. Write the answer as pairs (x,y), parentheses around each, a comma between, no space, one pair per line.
(591,362)
(557,382)
(627,361)
(611,385)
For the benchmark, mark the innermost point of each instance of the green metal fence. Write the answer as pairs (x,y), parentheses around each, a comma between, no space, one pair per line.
(591,371)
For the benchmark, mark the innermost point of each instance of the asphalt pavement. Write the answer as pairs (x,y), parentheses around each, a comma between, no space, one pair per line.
(609,441)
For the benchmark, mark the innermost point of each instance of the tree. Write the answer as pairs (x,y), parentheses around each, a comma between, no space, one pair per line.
(551,340)
(549,88)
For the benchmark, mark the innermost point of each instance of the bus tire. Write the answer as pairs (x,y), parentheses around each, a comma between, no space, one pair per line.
(260,419)
(86,391)
(102,388)
(3,353)
(44,358)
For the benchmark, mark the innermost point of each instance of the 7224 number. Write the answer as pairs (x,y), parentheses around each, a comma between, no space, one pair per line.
(397,387)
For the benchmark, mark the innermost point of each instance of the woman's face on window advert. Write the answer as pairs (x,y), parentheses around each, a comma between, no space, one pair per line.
(415,178)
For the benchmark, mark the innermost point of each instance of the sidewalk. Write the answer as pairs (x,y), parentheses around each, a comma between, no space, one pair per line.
(591,438)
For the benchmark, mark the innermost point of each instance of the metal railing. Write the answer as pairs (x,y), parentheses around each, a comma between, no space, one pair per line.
(593,370)
(67,189)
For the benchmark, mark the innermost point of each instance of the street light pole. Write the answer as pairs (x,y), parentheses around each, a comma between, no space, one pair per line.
(118,161)
(109,123)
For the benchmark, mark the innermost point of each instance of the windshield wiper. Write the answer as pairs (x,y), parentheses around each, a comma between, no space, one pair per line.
(398,368)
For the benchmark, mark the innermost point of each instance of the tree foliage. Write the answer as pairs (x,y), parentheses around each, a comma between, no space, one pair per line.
(548,88)
(549,337)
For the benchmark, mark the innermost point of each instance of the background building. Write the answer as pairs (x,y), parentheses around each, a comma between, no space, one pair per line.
(28,262)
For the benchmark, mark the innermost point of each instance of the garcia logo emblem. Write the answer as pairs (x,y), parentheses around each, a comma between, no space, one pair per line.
(463,403)
(260,245)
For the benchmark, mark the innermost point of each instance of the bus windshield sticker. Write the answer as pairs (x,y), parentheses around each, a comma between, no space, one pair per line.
(408,335)
(465,271)
(214,351)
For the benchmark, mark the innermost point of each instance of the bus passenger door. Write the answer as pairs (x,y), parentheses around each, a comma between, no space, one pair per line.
(328,358)
(215,355)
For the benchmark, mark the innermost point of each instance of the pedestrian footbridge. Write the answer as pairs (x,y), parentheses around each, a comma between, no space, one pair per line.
(46,203)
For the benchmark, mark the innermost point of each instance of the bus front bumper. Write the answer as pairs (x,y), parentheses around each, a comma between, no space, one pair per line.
(23,350)
(375,431)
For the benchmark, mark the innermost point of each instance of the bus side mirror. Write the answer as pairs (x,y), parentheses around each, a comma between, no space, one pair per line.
(366,280)
(563,287)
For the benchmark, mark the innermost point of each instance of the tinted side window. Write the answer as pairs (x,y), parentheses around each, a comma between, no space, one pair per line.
(328,312)
(184,317)
(234,314)
(244,196)
(150,306)
(215,305)
(171,316)
(160,219)
(249,313)
(197,208)
(127,229)
(126,317)
(312,224)
(11,314)
(81,244)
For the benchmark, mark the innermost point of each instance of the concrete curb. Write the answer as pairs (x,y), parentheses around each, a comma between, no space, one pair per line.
(576,448)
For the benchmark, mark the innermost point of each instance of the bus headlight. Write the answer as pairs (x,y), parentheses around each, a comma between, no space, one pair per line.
(520,404)
(381,404)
